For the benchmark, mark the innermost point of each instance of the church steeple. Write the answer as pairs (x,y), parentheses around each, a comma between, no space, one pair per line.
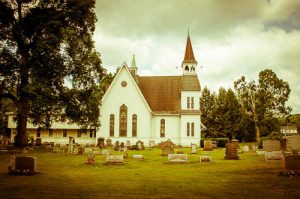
(133,68)
(189,63)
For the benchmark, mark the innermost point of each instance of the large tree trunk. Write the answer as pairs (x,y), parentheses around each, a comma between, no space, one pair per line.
(257,132)
(21,137)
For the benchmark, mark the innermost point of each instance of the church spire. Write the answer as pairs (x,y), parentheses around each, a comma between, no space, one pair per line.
(133,68)
(189,63)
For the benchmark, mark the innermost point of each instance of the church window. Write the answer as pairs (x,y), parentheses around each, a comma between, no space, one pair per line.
(65,133)
(134,125)
(111,125)
(192,102)
(193,68)
(79,131)
(162,128)
(186,68)
(123,83)
(192,129)
(188,103)
(123,121)
(188,129)
(38,132)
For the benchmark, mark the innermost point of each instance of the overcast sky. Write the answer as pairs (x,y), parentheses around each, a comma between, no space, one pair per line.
(230,38)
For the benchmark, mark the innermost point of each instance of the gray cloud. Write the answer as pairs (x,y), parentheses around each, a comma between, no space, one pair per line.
(230,38)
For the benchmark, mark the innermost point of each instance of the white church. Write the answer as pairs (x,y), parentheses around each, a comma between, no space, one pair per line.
(153,108)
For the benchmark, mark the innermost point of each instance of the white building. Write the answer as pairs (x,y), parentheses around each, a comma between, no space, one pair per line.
(153,108)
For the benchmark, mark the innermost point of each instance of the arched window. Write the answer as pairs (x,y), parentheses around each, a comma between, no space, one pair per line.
(162,128)
(123,121)
(188,129)
(192,129)
(193,69)
(134,125)
(111,125)
(186,68)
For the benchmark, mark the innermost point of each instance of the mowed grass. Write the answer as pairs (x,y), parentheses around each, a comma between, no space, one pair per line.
(67,176)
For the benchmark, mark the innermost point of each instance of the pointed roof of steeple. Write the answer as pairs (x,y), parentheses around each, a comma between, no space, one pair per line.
(189,54)
(133,64)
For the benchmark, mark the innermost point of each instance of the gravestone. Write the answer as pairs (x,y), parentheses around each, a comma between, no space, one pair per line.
(246,148)
(90,158)
(105,152)
(12,165)
(26,164)
(167,150)
(75,150)
(205,158)
(208,146)
(38,142)
(215,144)
(127,143)
(114,159)
(56,149)
(80,150)
(100,142)
(96,152)
(108,142)
(116,146)
(231,151)
(166,143)
(138,157)
(152,144)
(177,158)
(271,145)
(180,150)
(122,145)
(194,149)
(253,148)
(292,162)
(273,155)
(88,150)
(293,143)
(140,145)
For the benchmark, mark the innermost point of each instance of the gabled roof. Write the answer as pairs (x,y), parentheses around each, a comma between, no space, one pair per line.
(163,92)
(189,54)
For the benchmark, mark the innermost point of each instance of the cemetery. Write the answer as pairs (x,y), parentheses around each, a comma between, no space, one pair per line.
(117,170)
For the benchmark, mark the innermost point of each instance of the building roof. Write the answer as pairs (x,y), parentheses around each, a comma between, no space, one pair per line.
(162,93)
(189,54)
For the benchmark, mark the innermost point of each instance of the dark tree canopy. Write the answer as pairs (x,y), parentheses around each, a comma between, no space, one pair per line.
(48,64)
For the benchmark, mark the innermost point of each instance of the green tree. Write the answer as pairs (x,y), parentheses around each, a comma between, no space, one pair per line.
(45,45)
(263,101)
(207,107)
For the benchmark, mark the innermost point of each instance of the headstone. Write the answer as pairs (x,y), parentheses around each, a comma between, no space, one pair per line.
(167,150)
(293,143)
(177,158)
(271,145)
(208,145)
(121,148)
(139,157)
(26,164)
(194,149)
(292,162)
(180,150)
(205,158)
(80,150)
(55,149)
(114,159)
(246,148)
(38,142)
(96,152)
(100,142)
(260,152)
(90,158)
(140,145)
(88,150)
(12,165)
(231,151)
(274,155)
(75,150)
(127,143)
(108,142)
(253,148)
(116,146)
(105,152)
(152,144)
(215,144)
(166,143)
(236,142)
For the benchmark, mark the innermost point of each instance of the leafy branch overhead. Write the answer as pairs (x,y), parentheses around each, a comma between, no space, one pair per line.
(48,62)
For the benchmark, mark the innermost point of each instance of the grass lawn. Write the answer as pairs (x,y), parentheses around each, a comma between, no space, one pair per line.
(67,176)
